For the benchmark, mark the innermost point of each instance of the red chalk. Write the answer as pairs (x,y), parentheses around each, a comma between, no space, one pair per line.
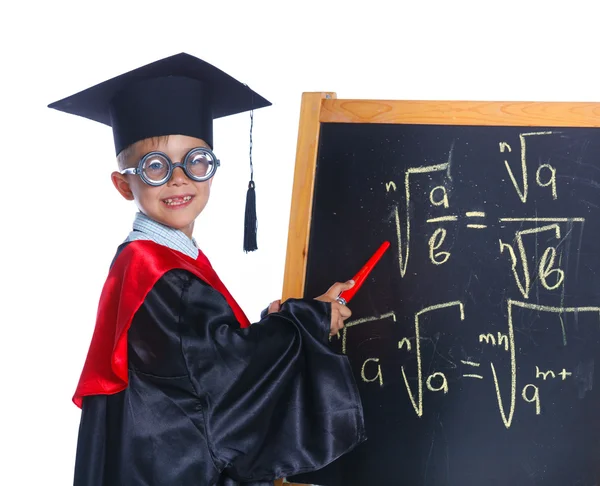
(363,273)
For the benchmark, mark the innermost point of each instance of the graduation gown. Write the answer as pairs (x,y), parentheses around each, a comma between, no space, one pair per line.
(179,389)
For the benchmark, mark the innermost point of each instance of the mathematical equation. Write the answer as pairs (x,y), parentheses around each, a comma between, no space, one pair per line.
(543,265)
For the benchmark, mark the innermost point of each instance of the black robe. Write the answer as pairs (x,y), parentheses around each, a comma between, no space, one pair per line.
(209,403)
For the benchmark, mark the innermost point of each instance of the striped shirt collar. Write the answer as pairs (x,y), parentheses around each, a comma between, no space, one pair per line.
(145,228)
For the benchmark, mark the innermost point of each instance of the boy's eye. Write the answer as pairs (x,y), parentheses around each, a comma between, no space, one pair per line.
(200,164)
(200,159)
(156,168)
(155,165)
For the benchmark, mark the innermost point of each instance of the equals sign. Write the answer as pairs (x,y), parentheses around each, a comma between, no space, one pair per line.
(476,214)
(470,363)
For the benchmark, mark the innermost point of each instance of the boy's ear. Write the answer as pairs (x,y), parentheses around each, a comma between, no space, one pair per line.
(121,184)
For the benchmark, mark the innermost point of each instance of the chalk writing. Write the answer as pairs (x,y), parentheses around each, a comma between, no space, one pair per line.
(378,375)
(522,189)
(530,247)
(364,320)
(550,182)
(535,398)
(491,339)
(442,386)
(524,284)
(544,374)
(443,201)
(418,403)
(404,342)
(549,373)
(404,238)
(437,381)
(436,240)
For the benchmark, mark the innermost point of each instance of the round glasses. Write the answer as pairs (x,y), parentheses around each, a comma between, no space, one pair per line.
(156,168)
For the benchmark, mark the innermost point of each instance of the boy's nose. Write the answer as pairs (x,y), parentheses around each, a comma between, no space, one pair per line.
(178,176)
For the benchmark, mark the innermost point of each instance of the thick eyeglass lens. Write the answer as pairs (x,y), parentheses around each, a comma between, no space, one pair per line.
(200,163)
(156,167)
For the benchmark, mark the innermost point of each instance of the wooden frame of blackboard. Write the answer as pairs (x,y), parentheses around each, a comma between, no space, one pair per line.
(324,107)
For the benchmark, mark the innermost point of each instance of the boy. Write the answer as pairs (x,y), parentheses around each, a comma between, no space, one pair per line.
(178,388)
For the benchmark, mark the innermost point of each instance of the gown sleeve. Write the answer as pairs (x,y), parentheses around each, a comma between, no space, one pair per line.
(276,400)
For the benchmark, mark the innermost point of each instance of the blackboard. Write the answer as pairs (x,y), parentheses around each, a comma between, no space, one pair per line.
(476,340)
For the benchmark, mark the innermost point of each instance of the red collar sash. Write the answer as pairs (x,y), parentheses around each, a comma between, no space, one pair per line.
(133,274)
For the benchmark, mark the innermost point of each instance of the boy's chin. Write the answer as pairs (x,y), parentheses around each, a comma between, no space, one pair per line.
(175,221)
(178,223)
(181,219)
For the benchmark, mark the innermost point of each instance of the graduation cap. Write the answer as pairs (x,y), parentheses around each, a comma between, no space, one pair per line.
(178,95)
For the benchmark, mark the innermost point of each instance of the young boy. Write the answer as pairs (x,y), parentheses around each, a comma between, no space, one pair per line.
(178,388)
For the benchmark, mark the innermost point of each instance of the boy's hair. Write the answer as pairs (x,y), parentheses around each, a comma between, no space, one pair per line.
(123,159)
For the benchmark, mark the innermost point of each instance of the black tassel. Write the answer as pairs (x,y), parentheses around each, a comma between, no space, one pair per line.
(250,223)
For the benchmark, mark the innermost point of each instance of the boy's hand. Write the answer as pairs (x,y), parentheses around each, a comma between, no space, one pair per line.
(274,306)
(339,312)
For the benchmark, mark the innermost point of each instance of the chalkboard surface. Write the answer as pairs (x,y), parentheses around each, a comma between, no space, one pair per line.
(476,339)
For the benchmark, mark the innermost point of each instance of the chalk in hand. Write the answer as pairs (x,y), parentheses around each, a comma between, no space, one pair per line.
(362,274)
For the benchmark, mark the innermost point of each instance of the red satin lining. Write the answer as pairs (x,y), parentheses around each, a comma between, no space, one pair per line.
(133,274)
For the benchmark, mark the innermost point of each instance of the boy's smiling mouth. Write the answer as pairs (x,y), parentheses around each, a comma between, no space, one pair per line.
(177,201)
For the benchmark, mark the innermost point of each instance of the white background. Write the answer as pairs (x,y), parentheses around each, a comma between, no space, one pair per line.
(62,219)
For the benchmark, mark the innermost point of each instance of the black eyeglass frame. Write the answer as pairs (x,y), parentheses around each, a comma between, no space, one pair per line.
(172,166)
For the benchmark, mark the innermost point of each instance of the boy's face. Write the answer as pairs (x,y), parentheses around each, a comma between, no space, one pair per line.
(161,202)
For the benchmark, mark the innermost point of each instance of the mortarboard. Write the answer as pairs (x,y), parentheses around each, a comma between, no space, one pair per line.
(178,95)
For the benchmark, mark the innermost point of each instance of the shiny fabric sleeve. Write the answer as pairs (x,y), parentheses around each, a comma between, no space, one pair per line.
(276,400)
